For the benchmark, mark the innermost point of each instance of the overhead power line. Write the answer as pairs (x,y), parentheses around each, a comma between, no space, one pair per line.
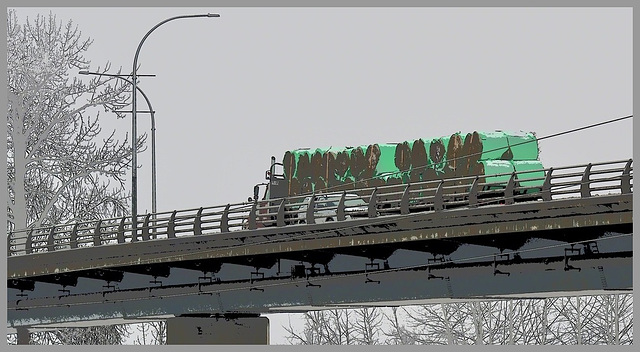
(599,124)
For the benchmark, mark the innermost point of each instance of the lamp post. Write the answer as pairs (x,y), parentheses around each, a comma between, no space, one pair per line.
(153,131)
(134,173)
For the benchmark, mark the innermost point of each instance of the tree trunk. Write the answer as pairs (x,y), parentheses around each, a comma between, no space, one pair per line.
(20,163)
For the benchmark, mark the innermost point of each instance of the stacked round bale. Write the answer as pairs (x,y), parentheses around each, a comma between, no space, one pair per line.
(472,154)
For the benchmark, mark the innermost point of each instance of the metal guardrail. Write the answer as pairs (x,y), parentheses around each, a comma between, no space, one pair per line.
(615,177)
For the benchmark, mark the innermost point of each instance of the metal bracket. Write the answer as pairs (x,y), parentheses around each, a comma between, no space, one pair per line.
(373,206)
(97,234)
(28,246)
(50,240)
(567,266)
(310,218)
(309,284)
(591,248)
(340,214)
(368,266)
(120,235)
(171,227)
(280,216)
(368,280)
(404,202)
(145,228)
(473,193)
(224,220)
(312,271)
(625,182)
(585,190)
(438,202)
(436,258)
(63,290)
(495,265)
(509,193)
(546,186)
(197,223)
(256,275)
(430,276)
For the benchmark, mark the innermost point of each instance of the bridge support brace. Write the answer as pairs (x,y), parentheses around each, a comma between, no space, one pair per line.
(24,336)
(218,331)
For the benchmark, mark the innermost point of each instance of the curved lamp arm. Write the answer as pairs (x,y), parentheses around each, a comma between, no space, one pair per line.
(134,159)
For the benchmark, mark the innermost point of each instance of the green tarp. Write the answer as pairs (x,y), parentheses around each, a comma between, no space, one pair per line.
(456,155)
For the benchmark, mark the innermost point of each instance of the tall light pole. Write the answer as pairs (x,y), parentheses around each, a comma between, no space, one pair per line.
(134,139)
(153,131)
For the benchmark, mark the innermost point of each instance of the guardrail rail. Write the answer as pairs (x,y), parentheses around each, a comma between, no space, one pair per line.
(615,177)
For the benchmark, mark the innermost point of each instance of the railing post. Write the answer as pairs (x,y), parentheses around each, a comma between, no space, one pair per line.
(340,211)
(97,234)
(546,186)
(280,215)
(9,243)
(509,191)
(145,228)
(438,202)
(311,207)
(625,182)
(134,231)
(404,202)
(224,220)
(585,190)
(373,203)
(252,216)
(197,223)
(29,242)
(171,226)
(120,234)
(473,193)
(50,240)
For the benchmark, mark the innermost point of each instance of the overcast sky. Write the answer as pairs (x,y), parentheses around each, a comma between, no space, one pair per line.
(230,92)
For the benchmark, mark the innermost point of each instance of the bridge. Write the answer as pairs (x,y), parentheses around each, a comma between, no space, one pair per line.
(556,231)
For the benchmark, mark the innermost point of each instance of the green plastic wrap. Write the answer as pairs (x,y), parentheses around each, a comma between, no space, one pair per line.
(495,146)
(501,145)
(494,167)
(422,159)
(536,177)
(523,145)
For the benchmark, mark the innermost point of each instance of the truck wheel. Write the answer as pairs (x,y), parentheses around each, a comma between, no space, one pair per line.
(329,219)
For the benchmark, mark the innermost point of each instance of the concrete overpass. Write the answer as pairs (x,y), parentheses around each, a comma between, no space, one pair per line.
(455,239)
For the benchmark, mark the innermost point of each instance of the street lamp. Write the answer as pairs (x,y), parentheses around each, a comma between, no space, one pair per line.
(153,131)
(134,173)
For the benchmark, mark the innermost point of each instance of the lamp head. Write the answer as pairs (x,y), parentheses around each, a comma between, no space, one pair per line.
(83,72)
(213,15)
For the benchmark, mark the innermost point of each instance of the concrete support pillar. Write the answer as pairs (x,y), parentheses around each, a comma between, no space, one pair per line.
(218,331)
(24,336)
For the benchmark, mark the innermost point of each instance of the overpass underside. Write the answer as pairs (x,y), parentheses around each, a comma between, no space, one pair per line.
(532,249)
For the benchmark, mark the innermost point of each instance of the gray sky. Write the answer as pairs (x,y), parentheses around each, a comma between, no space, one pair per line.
(230,92)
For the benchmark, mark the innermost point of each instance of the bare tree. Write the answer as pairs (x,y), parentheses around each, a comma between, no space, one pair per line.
(593,320)
(152,333)
(61,166)
(368,326)
(339,327)
(58,169)
(398,333)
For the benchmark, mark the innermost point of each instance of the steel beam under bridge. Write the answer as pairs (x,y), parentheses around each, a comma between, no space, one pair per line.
(524,278)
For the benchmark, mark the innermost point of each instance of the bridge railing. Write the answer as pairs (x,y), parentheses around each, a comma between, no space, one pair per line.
(541,185)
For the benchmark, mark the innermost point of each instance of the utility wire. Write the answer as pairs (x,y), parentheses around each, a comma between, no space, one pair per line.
(491,150)
(245,205)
